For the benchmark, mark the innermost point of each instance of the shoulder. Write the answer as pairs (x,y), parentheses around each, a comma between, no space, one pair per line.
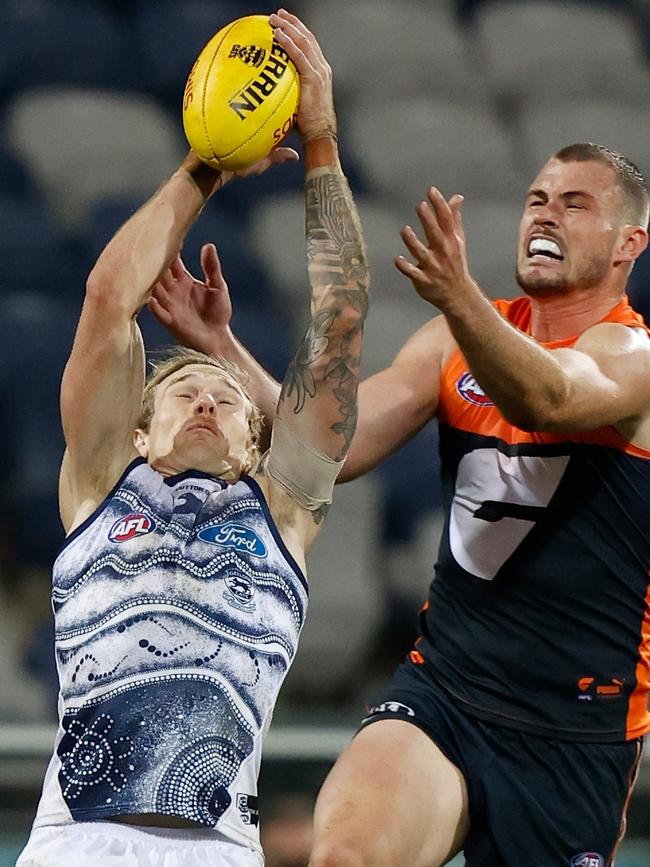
(615,338)
(431,343)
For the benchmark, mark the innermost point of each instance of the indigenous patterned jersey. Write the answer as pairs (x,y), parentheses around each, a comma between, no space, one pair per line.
(178,610)
(538,617)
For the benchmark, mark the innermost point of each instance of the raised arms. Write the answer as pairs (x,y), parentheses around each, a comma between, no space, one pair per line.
(101,392)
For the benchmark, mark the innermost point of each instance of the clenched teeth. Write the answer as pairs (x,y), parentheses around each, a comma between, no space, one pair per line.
(544,247)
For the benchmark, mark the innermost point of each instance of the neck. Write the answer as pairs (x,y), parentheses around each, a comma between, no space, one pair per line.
(221,469)
(556,317)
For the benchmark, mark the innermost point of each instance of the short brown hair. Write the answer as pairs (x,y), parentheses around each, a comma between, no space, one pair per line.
(181,357)
(631,181)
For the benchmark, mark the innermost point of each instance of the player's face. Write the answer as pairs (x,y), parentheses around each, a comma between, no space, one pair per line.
(199,422)
(570,228)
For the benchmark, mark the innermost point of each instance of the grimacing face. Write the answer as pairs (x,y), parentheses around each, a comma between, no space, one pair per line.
(199,422)
(572,228)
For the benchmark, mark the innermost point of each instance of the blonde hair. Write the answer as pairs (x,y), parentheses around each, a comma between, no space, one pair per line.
(176,360)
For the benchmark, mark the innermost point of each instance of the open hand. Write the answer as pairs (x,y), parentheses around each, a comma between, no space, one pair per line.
(196,312)
(441,275)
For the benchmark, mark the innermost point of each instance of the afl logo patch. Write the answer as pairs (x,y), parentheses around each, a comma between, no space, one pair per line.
(470,390)
(588,859)
(231,535)
(135,524)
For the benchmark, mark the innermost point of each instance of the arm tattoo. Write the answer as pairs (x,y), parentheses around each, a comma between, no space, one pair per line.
(328,360)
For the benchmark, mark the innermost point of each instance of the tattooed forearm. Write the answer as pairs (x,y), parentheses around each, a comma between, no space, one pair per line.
(327,363)
(335,251)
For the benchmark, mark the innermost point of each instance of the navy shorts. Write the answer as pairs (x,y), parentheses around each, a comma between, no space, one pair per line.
(533,801)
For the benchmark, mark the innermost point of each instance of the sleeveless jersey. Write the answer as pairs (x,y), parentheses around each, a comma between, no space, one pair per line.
(177,611)
(538,617)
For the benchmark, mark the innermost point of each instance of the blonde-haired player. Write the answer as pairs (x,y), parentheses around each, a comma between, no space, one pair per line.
(180,592)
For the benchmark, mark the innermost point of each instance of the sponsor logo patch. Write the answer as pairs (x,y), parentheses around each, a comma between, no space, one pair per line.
(588,859)
(392,707)
(135,524)
(232,535)
(589,688)
(469,389)
(248,809)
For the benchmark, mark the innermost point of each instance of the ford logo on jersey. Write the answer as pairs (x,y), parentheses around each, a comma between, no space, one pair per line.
(470,390)
(588,859)
(135,524)
(231,535)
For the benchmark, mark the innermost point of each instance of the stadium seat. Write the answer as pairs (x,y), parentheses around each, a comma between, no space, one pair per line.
(405,146)
(552,51)
(388,50)
(491,230)
(345,596)
(390,322)
(98,144)
(36,335)
(278,236)
(35,256)
(62,42)
(15,179)
(621,127)
(170,36)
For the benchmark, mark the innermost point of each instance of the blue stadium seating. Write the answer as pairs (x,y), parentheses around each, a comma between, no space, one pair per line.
(34,254)
(46,43)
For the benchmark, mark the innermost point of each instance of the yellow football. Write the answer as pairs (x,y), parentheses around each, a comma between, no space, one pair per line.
(241,95)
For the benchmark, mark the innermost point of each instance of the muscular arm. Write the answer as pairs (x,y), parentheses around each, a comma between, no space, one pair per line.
(318,400)
(603,380)
(397,402)
(101,391)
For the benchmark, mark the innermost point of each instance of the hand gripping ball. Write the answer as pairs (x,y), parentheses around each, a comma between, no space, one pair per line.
(241,95)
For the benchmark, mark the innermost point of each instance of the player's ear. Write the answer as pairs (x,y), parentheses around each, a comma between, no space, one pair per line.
(633,243)
(141,442)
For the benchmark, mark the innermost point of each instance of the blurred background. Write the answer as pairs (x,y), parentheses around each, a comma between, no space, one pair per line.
(472,95)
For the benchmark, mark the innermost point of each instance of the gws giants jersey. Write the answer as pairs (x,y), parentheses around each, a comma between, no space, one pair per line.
(178,610)
(538,617)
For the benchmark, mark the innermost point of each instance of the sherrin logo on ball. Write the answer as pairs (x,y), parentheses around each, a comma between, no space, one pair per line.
(241,95)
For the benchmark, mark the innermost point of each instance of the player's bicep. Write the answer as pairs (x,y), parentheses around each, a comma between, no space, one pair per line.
(608,379)
(101,394)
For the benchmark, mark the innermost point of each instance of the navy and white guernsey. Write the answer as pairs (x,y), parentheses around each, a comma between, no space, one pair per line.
(178,610)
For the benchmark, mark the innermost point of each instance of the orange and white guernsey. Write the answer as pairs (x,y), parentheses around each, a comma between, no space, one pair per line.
(539,615)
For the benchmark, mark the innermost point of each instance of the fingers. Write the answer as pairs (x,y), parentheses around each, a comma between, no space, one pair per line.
(211,265)
(456,205)
(298,41)
(177,268)
(161,314)
(408,268)
(416,248)
(283,155)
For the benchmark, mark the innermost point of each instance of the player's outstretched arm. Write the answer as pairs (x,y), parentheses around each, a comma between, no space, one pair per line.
(102,384)
(603,380)
(317,410)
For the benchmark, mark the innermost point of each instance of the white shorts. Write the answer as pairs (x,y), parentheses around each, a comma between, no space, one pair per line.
(111,844)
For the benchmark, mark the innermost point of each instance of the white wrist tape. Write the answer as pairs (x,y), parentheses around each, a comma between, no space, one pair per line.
(305,473)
